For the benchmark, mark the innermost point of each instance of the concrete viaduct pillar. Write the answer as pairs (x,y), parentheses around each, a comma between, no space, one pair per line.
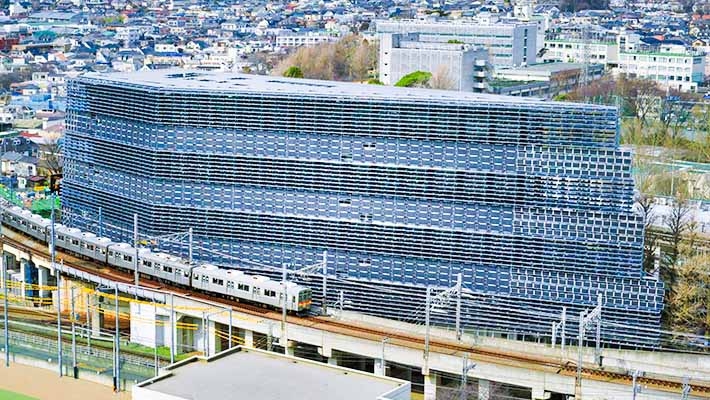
(249,338)
(430,383)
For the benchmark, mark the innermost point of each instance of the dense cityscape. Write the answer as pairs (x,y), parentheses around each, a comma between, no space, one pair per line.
(369,199)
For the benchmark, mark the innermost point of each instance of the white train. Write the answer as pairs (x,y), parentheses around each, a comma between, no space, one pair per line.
(228,283)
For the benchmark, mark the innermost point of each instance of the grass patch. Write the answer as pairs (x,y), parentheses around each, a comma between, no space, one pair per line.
(8,395)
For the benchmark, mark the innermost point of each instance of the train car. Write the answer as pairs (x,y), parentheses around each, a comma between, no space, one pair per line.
(165,267)
(26,222)
(252,288)
(229,283)
(121,255)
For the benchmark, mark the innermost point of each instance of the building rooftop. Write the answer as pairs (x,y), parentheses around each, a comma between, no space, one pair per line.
(261,375)
(235,83)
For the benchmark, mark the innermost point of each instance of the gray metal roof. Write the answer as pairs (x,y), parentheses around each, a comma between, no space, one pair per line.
(259,375)
(235,83)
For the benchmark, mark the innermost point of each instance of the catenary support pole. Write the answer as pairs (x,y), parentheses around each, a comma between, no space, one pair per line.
(75,367)
(459,286)
(230,328)
(118,346)
(284,339)
(156,361)
(59,320)
(597,342)
(135,246)
(173,329)
(564,328)
(580,344)
(325,283)
(5,311)
(425,370)
(189,245)
(88,322)
(382,356)
(101,222)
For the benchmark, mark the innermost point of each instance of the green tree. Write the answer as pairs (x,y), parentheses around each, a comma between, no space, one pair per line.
(414,79)
(374,81)
(293,72)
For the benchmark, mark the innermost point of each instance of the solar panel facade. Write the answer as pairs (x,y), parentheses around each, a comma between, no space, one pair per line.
(531,201)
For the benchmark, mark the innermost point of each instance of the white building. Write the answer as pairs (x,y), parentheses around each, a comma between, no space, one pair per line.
(509,42)
(671,65)
(304,39)
(572,51)
(462,66)
(128,34)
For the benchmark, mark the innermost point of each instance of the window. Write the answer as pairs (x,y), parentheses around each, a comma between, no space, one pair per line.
(230,285)
(269,293)
(205,279)
(243,287)
(167,269)
(147,263)
(60,237)
(218,281)
(74,242)
(90,247)
(127,258)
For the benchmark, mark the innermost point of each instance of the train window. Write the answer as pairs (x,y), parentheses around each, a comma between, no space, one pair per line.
(23,222)
(110,253)
(167,269)
(148,264)
(127,258)
(90,247)
(75,242)
(243,287)
(219,282)
(197,277)
(205,278)
(230,285)
(178,271)
(269,293)
(60,237)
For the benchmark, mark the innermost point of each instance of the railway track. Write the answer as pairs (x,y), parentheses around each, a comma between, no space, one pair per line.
(567,368)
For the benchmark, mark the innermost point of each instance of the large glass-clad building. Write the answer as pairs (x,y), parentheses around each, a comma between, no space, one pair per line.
(530,200)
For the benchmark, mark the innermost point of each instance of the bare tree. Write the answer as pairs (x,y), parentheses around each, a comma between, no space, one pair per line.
(51,155)
(641,95)
(441,78)
(679,222)
(645,204)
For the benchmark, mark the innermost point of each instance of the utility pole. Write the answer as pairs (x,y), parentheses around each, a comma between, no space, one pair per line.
(464,377)
(425,370)
(325,283)
(269,339)
(5,312)
(75,368)
(459,285)
(341,302)
(135,246)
